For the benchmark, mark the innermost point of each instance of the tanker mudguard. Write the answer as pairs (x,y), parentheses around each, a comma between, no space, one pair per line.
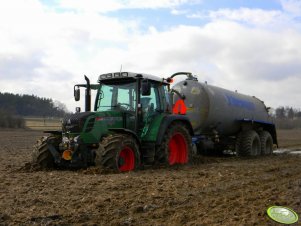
(167,120)
(256,121)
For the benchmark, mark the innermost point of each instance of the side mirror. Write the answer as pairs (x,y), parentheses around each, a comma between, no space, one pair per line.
(145,87)
(76,94)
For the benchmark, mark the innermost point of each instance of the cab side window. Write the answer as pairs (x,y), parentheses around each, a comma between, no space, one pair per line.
(151,104)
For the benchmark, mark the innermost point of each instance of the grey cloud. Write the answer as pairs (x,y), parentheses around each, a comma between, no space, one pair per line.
(245,54)
(19,67)
(263,70)
(29,67)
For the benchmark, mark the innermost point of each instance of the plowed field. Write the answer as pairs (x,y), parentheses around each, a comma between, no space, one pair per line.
(210,191)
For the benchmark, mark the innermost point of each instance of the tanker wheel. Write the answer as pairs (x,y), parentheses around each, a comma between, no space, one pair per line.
(248,143)
(176,146)
(118,152)
(41,155)
(266,142)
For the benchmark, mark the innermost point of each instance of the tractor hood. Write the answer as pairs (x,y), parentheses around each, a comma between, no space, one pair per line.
(75,122)
(85,122)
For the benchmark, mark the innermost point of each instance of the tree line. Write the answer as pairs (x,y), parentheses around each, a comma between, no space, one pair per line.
(287,117)
(13,107)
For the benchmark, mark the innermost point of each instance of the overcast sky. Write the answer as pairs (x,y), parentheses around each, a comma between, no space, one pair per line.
(253,46)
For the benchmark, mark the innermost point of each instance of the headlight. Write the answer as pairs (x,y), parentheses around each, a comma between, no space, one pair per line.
(65,140)
(75,139)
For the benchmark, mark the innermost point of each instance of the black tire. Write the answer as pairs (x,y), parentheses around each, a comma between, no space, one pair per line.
(41,155)
(203,150)
(176,146)
(248,144)
(266,142)
(238,143)
(209,149)
(118,152)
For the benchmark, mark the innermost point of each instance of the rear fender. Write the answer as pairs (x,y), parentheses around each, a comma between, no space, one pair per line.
(167,120)
(126,131)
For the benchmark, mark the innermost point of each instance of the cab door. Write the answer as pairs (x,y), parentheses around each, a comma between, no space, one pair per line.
(151,110)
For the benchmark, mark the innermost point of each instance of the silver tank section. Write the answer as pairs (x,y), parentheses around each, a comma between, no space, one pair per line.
(211,108)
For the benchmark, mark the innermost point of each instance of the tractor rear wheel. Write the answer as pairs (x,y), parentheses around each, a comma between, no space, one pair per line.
(118,152)
(248,144)
(176,146)
(41,155)
(266,142)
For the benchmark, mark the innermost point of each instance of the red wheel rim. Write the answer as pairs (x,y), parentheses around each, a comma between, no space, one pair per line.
(126,159)
(177,149)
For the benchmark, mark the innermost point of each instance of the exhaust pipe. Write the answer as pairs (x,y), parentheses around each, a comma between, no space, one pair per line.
(88,95)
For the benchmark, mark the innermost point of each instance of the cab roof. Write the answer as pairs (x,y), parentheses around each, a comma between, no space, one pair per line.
(125,75)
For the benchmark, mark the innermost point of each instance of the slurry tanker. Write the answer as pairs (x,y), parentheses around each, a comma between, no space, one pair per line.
(139,119)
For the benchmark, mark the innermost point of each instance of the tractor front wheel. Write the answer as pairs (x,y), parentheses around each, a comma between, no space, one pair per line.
(118,152)
(176,146)
(41,155)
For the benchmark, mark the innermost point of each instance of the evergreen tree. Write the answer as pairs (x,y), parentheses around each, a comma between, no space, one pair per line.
(31,105)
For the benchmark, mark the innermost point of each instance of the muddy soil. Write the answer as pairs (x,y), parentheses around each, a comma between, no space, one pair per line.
(210,191)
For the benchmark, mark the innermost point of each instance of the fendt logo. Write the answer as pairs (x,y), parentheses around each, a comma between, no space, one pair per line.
(282,214)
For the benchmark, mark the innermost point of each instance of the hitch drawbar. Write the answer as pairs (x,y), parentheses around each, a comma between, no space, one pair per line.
(55,153)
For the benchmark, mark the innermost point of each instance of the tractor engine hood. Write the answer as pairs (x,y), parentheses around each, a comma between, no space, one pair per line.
(74,123)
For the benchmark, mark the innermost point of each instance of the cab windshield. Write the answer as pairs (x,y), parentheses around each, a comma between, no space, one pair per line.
(116,97)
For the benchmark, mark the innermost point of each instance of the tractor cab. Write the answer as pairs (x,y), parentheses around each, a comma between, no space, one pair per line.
(128,100)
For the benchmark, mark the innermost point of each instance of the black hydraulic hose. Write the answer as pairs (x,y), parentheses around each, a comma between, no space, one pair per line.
(182,96)
(188,74)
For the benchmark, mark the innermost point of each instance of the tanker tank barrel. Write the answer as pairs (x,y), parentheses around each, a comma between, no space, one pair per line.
(225,120)
(215,107)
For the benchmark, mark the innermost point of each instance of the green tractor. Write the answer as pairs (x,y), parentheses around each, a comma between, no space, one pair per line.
(132,125)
